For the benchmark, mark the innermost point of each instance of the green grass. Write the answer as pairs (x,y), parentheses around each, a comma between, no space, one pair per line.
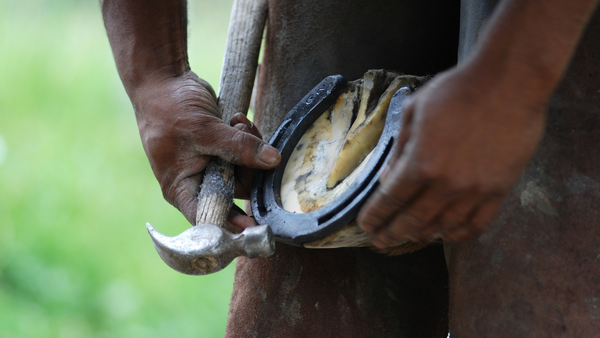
(76,189)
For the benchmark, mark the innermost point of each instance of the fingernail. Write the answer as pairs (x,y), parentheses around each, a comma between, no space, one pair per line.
(268,154)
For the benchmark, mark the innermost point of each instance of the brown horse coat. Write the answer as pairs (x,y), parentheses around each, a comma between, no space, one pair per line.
(344,292)
(535,272)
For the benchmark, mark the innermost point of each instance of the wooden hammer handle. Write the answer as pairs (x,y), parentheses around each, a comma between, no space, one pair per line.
(235,90)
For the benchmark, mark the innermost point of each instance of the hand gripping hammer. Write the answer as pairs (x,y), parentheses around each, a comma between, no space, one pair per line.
(207,247)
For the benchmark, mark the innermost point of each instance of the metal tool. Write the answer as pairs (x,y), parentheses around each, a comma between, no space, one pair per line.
(207,247)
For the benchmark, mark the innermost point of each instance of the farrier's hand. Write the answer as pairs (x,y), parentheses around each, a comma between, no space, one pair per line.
(471,131)
(462,146)
(177,114)
(181,128)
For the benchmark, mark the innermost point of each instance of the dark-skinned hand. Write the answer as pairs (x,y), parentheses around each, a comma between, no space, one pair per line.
(181,128)
(463,144)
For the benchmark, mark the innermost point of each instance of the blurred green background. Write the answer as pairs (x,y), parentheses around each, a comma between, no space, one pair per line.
(76,189)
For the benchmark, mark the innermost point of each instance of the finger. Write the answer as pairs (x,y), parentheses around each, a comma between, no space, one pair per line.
(183,196)
(413,222)
(243,182)
(396,189)
(239,219)
(239,147)
(394,194)
(241,118)
(243,175)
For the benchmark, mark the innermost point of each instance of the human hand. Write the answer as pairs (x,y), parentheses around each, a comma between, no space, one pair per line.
(181,128)
(464,142)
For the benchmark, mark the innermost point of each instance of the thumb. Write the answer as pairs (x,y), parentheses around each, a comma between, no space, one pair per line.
(238,146)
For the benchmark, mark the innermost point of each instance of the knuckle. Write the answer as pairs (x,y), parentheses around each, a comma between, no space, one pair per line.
(242,139)
(237,143)
(451,218)
(458,184)
(407,224)
(389,237)
(246,146)
(453,185)
(375,217)
(235,119)
(386,202)
(479,189)
(412,221)
(238,137)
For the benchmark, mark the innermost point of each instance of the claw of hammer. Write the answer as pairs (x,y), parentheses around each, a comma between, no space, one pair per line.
(208,248)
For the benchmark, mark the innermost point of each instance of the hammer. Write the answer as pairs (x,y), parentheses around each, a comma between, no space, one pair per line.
(207,247)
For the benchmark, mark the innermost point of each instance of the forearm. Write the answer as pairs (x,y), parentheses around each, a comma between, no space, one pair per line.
(148,39)
(470,132)
(528,44)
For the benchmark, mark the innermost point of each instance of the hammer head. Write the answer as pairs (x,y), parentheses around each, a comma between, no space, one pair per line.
(208,248)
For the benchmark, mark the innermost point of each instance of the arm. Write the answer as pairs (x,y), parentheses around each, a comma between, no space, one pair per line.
(470,132)
(178,117)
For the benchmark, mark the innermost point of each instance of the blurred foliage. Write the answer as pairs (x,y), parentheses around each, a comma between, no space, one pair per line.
(76,188)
